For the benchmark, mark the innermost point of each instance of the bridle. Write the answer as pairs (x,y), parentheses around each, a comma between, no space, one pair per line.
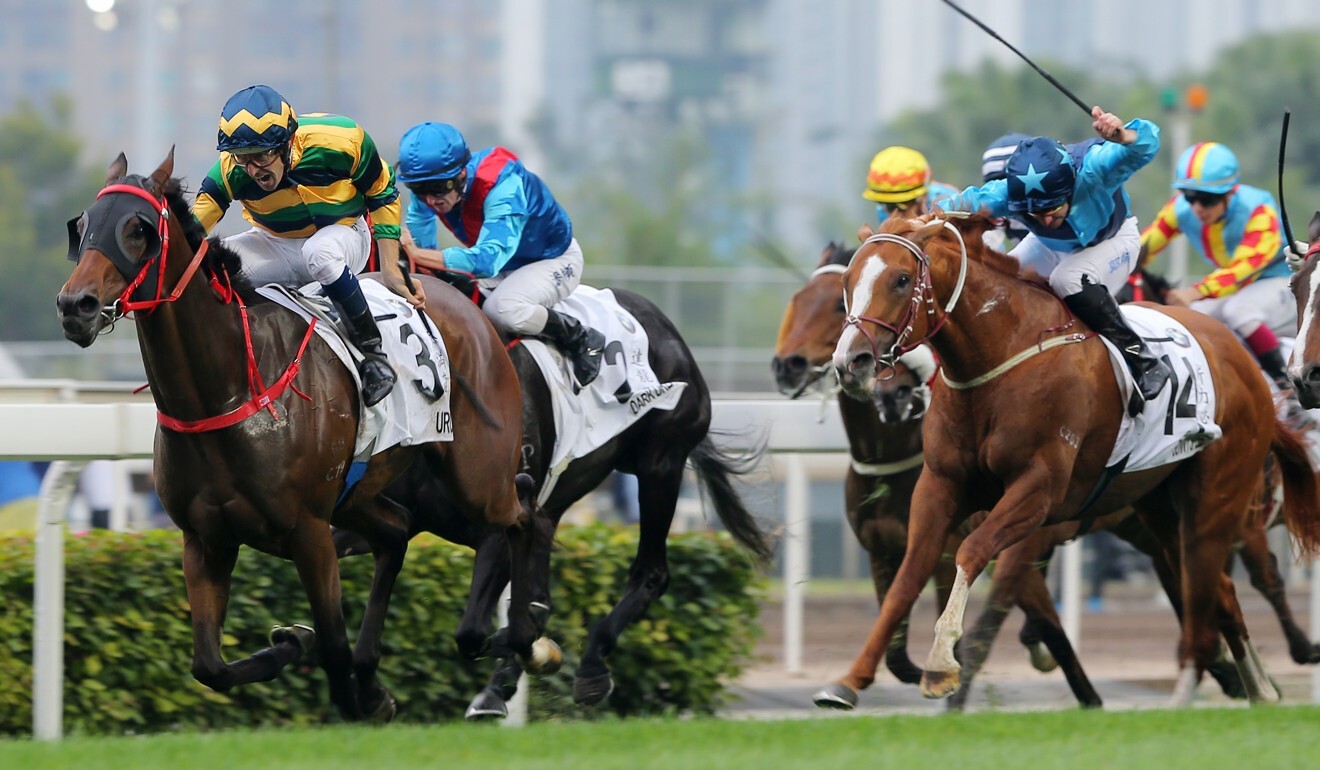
(923,294)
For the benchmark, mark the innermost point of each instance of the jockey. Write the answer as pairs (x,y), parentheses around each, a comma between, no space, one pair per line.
(1082,236)
(306,187)
(1236,228)
(516,238)
(1010,231)
(899,180)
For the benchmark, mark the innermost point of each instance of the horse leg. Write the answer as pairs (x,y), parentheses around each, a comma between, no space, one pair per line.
(648,578)
(1035,600)
(529,541)
(1263,568)
(493,701)
(1234,628)
(312,548)
(1021,509)
(206,575)
(388,539)
(936,499)
(490,574)
(885,545)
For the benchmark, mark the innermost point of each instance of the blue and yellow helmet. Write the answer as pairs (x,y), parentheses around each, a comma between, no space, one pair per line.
(1040,175)
(256,118)
(430,152)
(1207,167)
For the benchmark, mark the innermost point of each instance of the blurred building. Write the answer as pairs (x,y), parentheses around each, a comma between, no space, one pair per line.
(787,95)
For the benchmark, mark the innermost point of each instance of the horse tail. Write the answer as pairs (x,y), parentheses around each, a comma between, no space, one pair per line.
(715,468)
(1301,509)
(477,403)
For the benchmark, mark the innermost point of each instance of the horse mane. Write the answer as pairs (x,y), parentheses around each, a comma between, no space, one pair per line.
(219,258)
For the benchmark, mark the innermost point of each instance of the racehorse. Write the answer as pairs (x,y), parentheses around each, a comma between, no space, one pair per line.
(884,436)
(656,449)
(1000,444)
(237,463)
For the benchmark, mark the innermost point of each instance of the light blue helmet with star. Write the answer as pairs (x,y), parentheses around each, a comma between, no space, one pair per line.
(1040,175)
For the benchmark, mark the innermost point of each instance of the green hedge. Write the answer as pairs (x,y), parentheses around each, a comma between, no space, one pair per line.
(128,642)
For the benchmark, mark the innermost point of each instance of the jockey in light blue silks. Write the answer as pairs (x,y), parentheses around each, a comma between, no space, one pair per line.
(516,238)
(1082,238)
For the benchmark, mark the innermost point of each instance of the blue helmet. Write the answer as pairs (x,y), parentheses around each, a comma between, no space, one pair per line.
(256,118)
(430,152)
(996,155)
(1207,167)
(1040,175)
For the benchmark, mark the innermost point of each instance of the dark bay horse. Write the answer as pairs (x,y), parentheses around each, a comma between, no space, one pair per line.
(656,449)
(238,463)
(1002,449)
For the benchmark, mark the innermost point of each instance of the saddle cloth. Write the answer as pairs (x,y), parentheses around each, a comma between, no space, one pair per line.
(413,412)
(626,389)
(1181,420)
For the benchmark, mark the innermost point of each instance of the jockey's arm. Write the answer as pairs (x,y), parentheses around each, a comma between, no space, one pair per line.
(1160,232)
(1261,242)
(213,198)
(991,197)
(505,218)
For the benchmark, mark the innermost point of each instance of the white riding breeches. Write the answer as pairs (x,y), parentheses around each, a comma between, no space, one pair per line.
(320,257)
(1107,263)
(517,301)
(1267,301)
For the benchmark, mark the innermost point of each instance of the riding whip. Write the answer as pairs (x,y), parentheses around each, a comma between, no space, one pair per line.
(1283,210)
(1046,75)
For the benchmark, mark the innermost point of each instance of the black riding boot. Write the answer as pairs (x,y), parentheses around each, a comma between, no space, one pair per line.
(582,344)
(377,374)
(1294,416)
(1099,310)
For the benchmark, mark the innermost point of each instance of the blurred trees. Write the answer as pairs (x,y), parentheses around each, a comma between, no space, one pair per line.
(42,185)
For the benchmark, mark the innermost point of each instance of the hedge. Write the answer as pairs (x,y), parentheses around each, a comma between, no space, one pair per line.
(128,642)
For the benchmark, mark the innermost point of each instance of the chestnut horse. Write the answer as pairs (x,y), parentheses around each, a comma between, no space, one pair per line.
(237,463)
(1001,444)
(884,446)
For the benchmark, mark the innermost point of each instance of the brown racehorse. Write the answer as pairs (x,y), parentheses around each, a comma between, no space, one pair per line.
(1001,444)
(272,472)
(1305,364)
(884,438)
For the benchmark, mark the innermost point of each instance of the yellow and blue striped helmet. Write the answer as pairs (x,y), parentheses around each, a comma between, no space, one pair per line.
(1208,167)
(255,118)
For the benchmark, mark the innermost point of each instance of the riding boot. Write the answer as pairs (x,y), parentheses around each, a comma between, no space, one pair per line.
(582,344)
(377,374)
(1098,309)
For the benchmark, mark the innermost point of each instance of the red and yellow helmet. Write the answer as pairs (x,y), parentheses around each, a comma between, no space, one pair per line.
(897,175)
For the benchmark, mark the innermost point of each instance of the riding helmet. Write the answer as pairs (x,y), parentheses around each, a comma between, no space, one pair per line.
(1040,175)
(1207,167)
(996,155)
(897,175)
(256,118)
(430,152)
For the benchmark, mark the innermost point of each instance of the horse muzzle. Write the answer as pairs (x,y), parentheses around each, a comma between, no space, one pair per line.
(1308,386)
(856,371)
(80,316)
(791,373)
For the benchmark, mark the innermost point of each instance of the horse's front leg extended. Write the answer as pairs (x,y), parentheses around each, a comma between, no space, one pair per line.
(206,574)
(1023,507)
(935,502)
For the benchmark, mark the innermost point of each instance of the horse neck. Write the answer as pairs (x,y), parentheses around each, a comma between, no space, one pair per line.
(193,348)
(873,441)
(996,317)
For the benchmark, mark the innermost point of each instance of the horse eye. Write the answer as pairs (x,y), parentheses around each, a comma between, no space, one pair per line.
(903,281)
(137,233)
(843,307)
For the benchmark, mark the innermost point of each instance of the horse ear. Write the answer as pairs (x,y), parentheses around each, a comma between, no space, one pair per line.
(162,174)
(864,232)
(118,169)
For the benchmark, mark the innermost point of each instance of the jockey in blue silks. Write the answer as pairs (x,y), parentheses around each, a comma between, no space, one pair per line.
(516,238)
(1082,236)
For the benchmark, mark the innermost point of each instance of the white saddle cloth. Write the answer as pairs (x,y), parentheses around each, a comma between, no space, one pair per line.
(410,414)
(1181,420)
(625,391)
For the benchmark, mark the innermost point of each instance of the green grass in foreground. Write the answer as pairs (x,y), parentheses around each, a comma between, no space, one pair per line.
(1203,739)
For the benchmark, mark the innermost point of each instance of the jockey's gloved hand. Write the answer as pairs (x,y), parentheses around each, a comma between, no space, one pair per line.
(1296,255)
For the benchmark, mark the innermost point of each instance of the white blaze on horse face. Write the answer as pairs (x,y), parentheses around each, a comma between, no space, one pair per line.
(857,302)
(1304,328)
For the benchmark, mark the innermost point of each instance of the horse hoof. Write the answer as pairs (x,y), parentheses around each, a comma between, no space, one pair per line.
(1041,659)
(385,712)
(301,636)
(546,657)
(486,707)
(836,696)
(588,691)
(938,684)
